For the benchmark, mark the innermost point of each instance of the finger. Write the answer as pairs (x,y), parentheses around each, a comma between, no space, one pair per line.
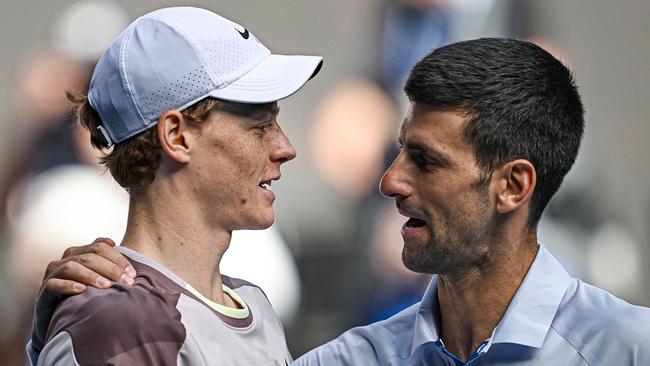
(51,267)
(103,267)
(64,287)
(89,248)
(74,271)
(106,249)
(107,241)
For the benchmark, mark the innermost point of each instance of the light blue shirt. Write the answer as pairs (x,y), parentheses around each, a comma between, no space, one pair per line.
(553,319)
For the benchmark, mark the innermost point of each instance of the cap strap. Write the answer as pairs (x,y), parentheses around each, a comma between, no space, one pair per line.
(109,142)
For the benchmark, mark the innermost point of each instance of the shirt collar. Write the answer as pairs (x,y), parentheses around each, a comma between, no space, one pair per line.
(535,303)
(426,322)
(528,317)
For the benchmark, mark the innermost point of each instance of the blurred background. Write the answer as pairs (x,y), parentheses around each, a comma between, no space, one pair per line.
(332,260)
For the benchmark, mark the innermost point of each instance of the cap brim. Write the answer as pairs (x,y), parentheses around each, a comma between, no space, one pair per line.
(275,78)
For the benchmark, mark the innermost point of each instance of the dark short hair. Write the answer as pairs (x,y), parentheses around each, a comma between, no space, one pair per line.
(521,102)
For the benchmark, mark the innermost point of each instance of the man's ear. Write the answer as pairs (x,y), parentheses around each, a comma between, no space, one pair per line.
(514,184)
(174,136)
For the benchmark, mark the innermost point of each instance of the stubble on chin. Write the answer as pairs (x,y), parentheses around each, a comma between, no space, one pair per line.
(427,259)
(444,255)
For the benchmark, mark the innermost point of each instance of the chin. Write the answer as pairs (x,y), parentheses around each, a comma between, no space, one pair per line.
(261,221)
(421,260)
(267,218)
(265,225)
(258,218)
(409,261)
(254,226)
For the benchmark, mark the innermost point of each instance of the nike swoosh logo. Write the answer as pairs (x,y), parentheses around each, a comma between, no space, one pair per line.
(244,34)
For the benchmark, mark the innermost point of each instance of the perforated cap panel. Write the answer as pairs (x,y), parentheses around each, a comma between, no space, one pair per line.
(170,59)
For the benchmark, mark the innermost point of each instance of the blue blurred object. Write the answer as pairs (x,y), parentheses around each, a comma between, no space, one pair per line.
(410,32)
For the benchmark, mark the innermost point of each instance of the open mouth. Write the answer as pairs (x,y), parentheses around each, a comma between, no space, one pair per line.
(266,185)
(414,223)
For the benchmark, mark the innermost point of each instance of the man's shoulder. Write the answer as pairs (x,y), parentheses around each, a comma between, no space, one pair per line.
(595,321)
(596,307)
(369,344)
(116,311)
(101,324)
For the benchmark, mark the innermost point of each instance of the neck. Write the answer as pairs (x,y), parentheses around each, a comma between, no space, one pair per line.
(174,233)
(473,303)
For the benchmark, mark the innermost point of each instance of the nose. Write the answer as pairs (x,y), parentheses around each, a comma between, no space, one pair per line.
(283,150)
(395,181)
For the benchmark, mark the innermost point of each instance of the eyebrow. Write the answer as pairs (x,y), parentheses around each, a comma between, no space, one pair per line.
(274,109)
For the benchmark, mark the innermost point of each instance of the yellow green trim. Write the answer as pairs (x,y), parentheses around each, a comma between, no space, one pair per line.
(225,310)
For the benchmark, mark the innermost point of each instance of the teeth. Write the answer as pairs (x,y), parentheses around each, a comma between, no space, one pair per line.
(266,185)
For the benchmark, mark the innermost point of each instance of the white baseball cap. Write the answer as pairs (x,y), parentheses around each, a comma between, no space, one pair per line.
(174,57)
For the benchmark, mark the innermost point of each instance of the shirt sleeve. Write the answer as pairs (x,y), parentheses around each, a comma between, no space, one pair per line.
(121,326)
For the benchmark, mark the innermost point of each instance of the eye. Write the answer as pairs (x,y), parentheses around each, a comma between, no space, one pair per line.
(420,159)
(417,158)
(262,128)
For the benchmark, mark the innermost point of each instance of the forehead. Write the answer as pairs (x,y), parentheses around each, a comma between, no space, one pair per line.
(435,128)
